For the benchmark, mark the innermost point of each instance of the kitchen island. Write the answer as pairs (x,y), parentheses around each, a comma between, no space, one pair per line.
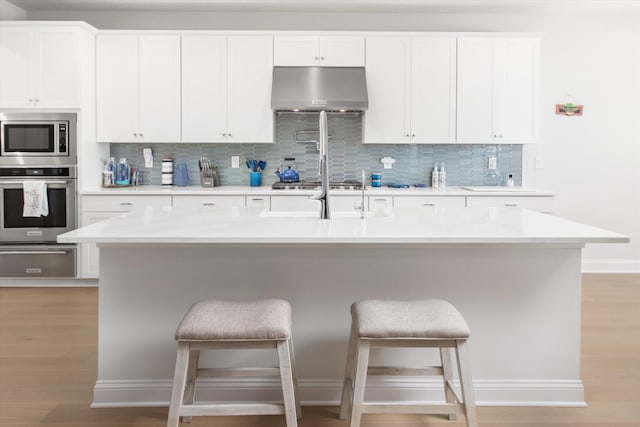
(514,274)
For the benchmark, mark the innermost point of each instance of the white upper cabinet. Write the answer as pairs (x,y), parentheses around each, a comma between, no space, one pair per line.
(138,88)
(411,85)
(433,90)
(40,67)
(326,51)
(497,90)
(226,88)
(204,88)
(250,71)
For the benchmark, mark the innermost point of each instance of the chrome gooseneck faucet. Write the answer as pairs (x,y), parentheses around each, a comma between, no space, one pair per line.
(324,168)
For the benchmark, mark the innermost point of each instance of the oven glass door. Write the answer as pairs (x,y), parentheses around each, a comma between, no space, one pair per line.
(15,227)
(29,138)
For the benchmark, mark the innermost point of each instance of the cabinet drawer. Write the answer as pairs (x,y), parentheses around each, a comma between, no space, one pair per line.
(429,201)
(124,203)
(197,202)
(535,203)
(379,203)
(294,203)
(258,202)
(346,203)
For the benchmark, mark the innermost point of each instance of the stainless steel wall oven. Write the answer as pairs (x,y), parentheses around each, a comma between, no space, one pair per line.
(37,149)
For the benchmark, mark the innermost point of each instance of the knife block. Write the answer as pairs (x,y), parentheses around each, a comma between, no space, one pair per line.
(206,181)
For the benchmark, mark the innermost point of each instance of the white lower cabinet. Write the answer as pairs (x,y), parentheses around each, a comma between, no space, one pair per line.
(380,203)
(258,202)
(208,202)
(542,204)
(429,202)
(306,204)
(99,208)
(294,203)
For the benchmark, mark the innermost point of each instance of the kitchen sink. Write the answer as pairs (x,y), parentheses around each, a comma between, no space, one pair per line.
(313,214)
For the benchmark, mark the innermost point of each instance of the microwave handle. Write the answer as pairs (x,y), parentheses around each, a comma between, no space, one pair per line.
(20,182)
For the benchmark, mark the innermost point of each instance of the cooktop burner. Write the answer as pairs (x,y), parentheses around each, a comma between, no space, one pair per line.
(312,185)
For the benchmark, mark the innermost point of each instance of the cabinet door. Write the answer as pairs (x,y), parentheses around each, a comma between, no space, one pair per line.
(16,89)
(388,79)
(497,90)
(342,51)
(57,65)
(204,88)
(250,73)
(516,90)
(298,51)
(475,91)
(433,90)
(208,202)
(117,88)
(415,202)
(542,204)
(295,203)
(159,88)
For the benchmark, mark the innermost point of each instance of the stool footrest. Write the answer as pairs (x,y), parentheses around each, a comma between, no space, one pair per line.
(232,409)
(237,372)
(399,370)
(444,408)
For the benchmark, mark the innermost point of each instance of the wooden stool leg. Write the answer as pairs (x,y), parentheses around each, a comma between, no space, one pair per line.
(179,381)
(362,366)
(296,391)
(349,375)
(192,372)
(286,377)
(447,377)
(466,383)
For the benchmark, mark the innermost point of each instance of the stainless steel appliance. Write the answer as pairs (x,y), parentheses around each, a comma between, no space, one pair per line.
(28,245)
(37,139)
(315,185)
(319,89)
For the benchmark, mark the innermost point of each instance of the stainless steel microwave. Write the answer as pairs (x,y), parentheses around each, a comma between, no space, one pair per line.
(37,139)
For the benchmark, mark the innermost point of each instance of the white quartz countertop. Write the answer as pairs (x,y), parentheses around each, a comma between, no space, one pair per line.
(418,226)
(231,190)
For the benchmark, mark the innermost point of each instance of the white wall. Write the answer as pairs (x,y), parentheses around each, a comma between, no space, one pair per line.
(10,12)
(592,161)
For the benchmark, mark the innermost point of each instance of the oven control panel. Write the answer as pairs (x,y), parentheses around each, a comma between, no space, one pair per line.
(35,172)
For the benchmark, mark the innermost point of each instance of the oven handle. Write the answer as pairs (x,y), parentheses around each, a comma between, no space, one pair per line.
(33,252)
(20,182)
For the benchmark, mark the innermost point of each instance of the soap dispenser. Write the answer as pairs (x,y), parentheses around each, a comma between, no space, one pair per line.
(435,176)
(442,177)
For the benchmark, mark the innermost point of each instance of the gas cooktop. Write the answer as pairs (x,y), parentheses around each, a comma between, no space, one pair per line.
(313,185)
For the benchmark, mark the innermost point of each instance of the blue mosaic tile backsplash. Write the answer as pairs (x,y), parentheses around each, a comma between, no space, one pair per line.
(348,156)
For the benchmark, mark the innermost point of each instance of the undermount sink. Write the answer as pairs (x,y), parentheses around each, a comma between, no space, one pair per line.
(313,214)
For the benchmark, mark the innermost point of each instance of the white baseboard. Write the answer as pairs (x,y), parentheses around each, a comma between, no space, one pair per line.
(43,283)
(610,266)
(116,394)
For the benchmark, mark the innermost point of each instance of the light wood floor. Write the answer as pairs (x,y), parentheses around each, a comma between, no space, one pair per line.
(48,363)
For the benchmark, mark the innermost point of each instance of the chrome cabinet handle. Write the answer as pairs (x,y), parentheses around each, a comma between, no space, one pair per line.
(407,135)
(224,134)
(209,204)
(322,58)
(37,100)
(430,204)
(126,204)
(141,135)
(229,134)
(511,205)
(135,134)
(21,181)
(413,135)
(315,57)
(30,99)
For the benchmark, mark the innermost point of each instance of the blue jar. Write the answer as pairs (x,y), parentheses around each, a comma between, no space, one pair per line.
(181,178)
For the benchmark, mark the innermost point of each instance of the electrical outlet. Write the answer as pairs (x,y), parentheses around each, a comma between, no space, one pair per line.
(539,163)
(492,163)
(235,162)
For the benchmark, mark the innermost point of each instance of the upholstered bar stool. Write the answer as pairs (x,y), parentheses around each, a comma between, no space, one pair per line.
(424,323)
(215,324)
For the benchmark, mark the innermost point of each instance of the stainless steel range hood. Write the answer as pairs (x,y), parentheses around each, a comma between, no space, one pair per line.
(319,88)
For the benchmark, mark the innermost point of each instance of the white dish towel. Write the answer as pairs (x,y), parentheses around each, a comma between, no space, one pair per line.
(35,199)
